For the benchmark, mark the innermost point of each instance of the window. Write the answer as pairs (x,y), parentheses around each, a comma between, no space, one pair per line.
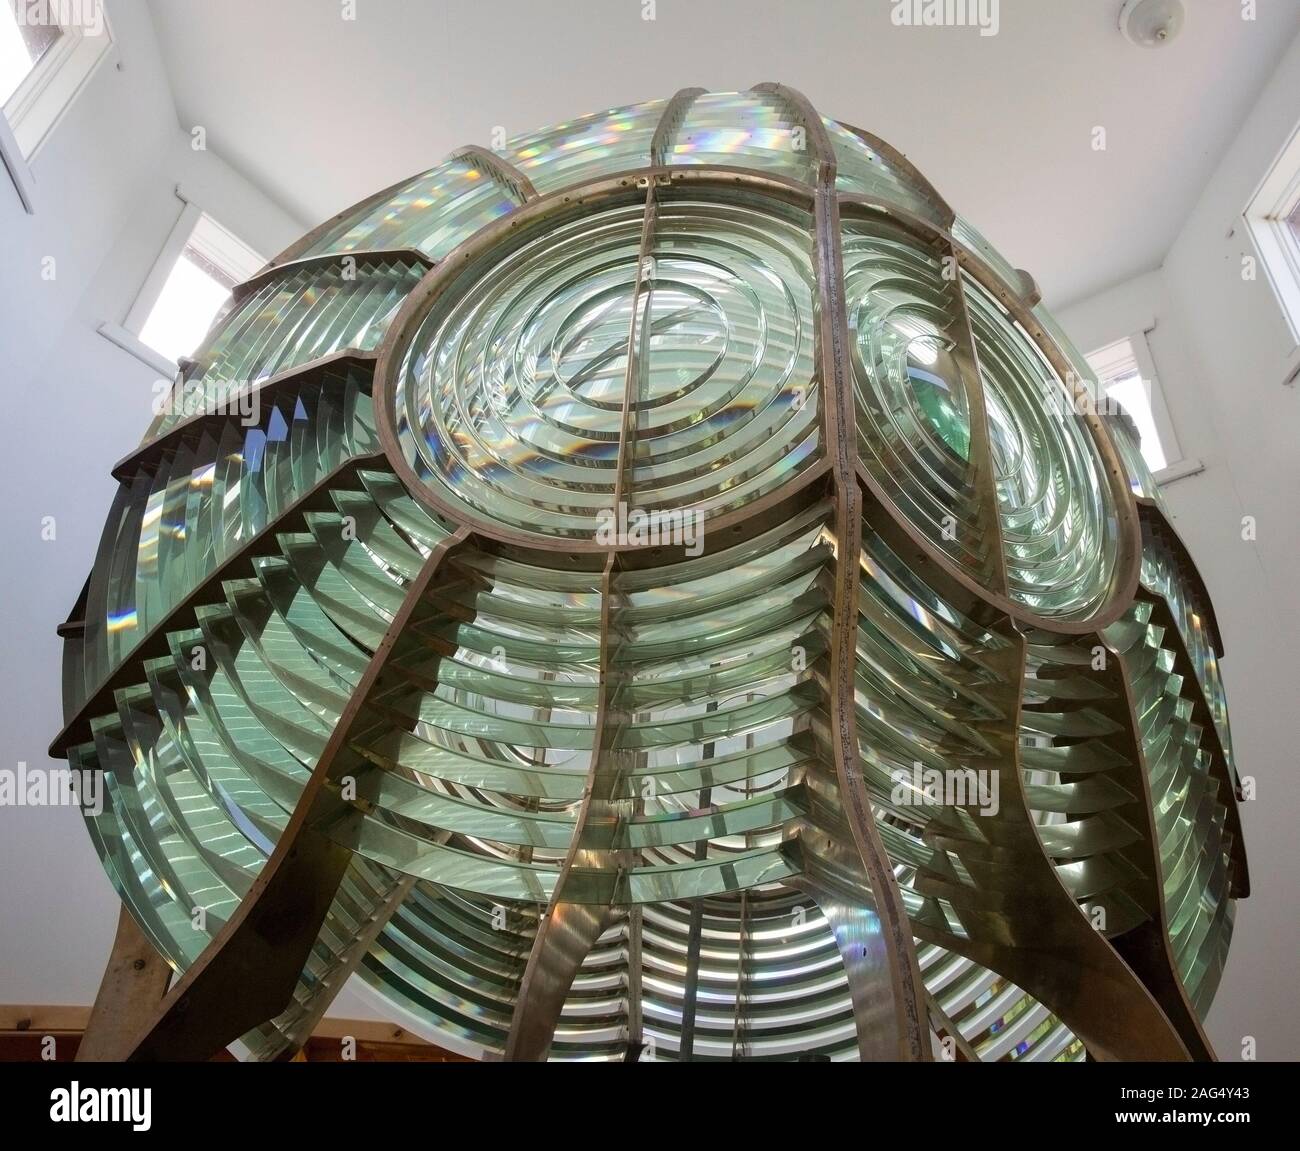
(1126,374)
(210,264)
(22,46)
(192,278)
(48,49)
(1273,220)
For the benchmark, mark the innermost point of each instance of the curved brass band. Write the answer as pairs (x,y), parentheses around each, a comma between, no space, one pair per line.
(134,982)
(669,122)
(247,974)
(985,485)
(897,160)
(624,188)
(568,930)
(1147,948)
(1157,523)
(1219,765)
(1018,918)
(245,288)
(948,577)
(898,963)
(500,169)
(865,952)
(628,187)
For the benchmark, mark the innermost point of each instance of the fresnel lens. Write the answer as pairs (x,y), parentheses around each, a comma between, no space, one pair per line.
(653,591)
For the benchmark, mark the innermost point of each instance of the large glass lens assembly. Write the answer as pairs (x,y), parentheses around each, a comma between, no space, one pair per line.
(662,584)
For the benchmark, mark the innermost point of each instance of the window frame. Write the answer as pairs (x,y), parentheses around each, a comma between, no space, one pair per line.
(1275,237)
(1177,465)
(126,335)
(34,109)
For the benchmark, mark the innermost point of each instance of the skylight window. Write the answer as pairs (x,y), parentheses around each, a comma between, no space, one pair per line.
(211,262)
(1120,375)
(1273,219)
(47,52)
(22,47)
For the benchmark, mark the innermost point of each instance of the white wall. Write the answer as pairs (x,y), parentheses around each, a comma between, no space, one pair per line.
(76,403)
(1222,350)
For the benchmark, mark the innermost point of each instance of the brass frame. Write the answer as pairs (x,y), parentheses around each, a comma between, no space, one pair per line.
(1041,938)
(624,188)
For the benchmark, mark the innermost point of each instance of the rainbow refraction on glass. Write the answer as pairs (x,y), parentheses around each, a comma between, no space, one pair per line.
(663,589)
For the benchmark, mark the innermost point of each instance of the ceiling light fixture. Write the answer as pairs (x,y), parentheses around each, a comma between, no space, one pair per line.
(1151,23)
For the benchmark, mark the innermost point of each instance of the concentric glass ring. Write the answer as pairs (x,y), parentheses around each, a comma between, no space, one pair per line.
(997,469)
(510,397)
(1060,526)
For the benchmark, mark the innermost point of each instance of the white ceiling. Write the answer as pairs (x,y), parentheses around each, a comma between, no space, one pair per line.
(320,111)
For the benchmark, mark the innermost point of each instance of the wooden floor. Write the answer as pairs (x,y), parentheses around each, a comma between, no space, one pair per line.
(54,1033)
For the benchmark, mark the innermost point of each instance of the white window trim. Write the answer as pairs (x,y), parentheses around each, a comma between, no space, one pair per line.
(163,263)
(1159,409)
(130,342)
(19,171)
(1178,467)
(1179,471)
(126,335)
(40,102)
(1276,245)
